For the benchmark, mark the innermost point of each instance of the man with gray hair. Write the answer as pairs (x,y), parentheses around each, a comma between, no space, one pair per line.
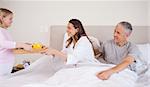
(120,51)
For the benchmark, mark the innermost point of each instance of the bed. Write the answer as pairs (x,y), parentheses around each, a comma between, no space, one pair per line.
(37,73)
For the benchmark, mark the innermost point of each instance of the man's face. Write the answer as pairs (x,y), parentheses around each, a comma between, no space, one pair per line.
(119,34)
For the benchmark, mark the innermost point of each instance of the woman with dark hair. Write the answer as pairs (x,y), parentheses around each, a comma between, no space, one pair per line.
(79,45)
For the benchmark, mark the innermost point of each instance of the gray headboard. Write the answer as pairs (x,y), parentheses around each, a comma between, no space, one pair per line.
(103,33)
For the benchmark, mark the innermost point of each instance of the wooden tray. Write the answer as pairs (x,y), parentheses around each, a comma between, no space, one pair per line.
(22,51)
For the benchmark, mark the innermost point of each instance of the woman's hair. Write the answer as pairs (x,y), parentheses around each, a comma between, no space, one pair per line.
(81,32)
(3,13)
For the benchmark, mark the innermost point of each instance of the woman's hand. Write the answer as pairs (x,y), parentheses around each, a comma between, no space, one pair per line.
(54,52)
(49,52)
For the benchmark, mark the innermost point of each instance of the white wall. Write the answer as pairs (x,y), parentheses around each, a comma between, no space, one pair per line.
(149,19)
(32,19)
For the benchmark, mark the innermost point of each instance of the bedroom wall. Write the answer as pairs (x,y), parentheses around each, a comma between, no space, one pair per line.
(149,19)
(32,19)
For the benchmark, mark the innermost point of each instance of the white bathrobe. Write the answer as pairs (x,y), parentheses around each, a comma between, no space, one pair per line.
(81,53)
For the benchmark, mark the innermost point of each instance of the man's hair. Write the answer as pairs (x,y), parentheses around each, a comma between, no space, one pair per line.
(127,26)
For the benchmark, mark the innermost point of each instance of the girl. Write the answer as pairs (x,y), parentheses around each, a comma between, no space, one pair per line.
(79,48)
(6,43)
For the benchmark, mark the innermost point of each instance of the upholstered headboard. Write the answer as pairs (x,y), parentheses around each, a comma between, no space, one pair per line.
(103,33)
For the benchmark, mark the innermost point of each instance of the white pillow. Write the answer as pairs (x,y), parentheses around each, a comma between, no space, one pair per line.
(96,45)
(145,50)
(95,41)
(149,54)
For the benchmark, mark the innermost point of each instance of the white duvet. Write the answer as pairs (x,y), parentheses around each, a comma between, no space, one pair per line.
(85,76)
(45,72)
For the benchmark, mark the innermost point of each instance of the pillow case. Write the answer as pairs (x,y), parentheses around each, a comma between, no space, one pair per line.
(145,51)
(96,45)
(145,58)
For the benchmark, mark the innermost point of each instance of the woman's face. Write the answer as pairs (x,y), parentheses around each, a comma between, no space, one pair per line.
(71,30)
(7,21)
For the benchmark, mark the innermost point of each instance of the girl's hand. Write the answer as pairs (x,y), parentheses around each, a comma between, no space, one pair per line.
(27,47)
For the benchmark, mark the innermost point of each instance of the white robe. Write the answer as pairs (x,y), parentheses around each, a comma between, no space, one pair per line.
(81,53)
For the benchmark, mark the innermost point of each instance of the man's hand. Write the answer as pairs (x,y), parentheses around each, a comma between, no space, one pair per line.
(104,75)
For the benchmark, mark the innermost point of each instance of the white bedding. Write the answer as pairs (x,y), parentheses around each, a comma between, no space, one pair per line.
(85,76)
(39,71)
(42,74)
(144,79)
